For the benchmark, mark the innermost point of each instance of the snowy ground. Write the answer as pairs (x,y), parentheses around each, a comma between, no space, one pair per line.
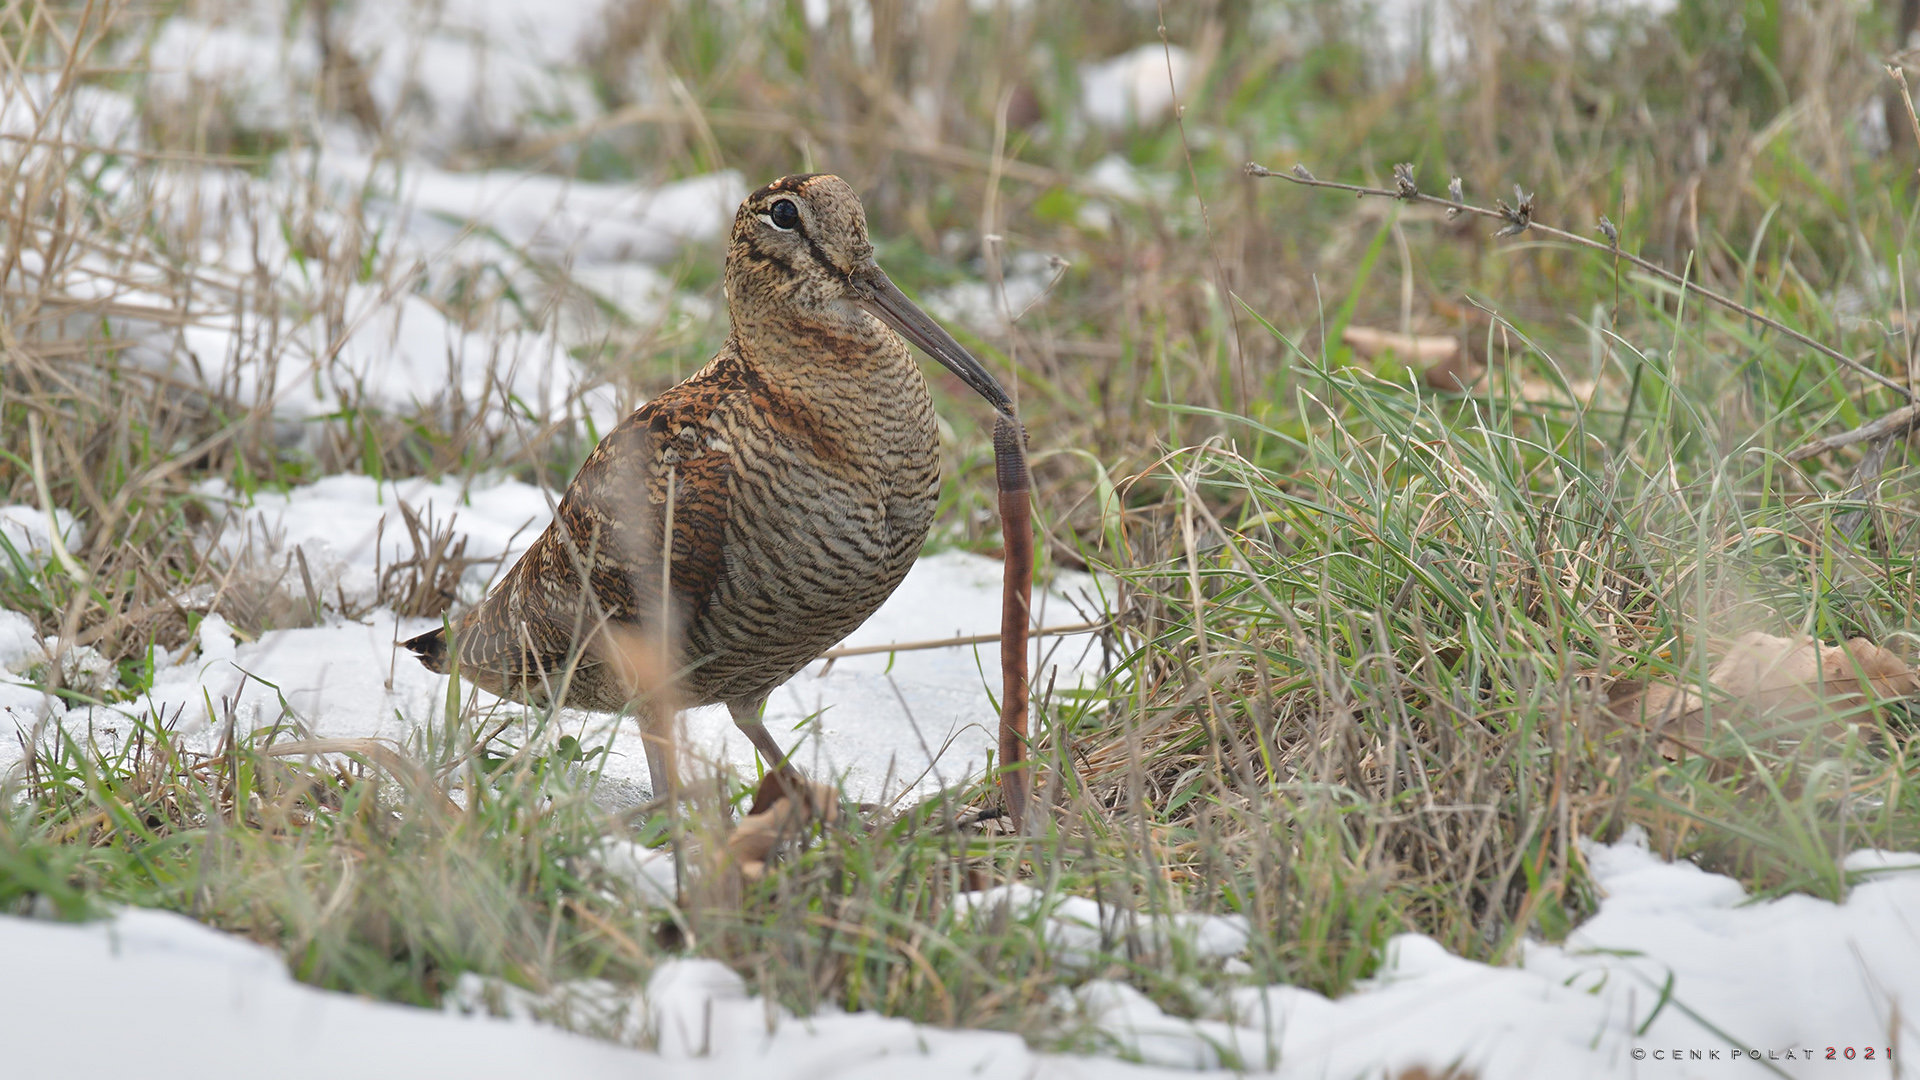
(1673,978)
(884,723)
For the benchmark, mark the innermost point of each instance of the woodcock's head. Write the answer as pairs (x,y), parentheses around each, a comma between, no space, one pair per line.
(800,263)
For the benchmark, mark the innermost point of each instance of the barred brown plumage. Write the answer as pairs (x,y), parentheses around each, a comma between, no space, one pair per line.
(798,471)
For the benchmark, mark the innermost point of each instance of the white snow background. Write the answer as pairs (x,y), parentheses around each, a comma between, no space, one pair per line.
(1674,977)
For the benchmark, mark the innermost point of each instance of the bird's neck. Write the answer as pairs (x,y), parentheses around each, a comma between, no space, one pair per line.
(841,351)
(842,371)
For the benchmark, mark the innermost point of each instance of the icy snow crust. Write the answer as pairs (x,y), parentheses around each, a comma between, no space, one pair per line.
(1778,981)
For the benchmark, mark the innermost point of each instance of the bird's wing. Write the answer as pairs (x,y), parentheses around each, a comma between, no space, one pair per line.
(669,457)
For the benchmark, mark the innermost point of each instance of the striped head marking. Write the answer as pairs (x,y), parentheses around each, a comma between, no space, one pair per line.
(800,240)
(800,257)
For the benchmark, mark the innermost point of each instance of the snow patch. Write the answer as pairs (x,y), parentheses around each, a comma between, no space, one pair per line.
(18,640)
(883,725)
(1774,982)
(348,527)
(161,976)
(1136,88)
(30,533)
(555,217)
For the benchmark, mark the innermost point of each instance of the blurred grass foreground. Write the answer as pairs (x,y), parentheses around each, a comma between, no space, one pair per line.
(1385,638)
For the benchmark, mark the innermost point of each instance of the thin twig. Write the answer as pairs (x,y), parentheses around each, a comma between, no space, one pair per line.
(1519,218)
(945,643)
(191,157)
(1906,97)
(1206,218)
(55,533)
(1894,423)
(1899,75)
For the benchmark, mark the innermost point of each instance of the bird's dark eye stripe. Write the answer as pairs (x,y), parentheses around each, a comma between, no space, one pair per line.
(784,214)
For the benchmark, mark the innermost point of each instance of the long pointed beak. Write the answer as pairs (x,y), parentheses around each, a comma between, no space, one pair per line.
(879,295)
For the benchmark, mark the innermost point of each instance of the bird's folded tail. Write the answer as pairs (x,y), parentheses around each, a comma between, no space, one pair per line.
(431,648)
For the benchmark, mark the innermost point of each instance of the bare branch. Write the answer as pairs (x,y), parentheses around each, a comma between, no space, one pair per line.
(1897,422)
(1520,218)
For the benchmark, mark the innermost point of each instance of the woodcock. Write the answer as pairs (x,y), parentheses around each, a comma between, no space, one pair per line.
(796,474)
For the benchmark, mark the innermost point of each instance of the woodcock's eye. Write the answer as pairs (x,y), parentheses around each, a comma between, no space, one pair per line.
(784,214)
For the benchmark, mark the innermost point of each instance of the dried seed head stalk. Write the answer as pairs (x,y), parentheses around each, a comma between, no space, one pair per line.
(1519,216)
(1403,183)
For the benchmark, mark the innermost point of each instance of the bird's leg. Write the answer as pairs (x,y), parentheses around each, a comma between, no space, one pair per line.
(746,717)
(657,718)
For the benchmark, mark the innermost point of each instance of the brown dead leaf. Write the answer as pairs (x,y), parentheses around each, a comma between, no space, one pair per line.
(1466,314)
(1412,349)
(1792,675)
(1443,363)
(784,806)
(1787,678)
(1661,708)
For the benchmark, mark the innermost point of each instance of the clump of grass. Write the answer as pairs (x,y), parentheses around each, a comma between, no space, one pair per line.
(1381,675)
(392,871)
(351,858)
